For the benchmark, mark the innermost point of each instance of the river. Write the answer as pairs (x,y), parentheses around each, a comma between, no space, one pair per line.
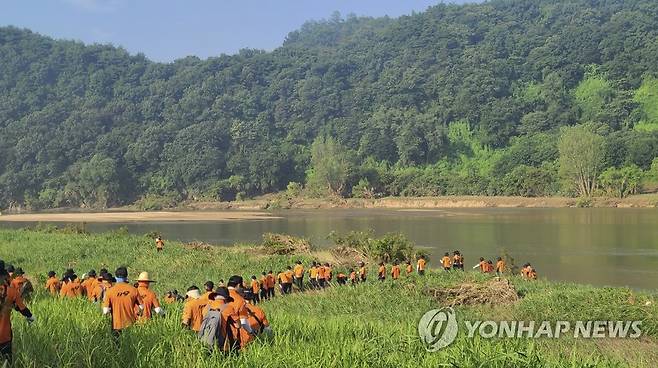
(599,246)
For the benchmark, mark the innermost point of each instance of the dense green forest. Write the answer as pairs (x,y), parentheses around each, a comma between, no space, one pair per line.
(509,97)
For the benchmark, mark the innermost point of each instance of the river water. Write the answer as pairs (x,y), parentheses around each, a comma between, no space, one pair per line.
(599,246)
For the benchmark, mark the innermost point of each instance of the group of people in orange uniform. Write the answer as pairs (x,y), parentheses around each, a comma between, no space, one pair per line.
(128,304)
(232,307)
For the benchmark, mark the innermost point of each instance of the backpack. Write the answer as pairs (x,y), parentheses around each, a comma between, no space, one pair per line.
(210,333)
(26,289)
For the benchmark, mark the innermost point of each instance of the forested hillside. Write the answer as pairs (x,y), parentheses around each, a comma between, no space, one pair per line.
(470,99)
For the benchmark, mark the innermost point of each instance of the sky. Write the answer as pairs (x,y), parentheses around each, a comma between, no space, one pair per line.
(165,30)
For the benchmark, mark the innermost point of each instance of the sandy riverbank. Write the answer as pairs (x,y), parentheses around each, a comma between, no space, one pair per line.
(277,202)
(138,216)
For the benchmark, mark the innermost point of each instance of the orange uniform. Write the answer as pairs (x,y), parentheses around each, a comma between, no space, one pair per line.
(313,272)
(53,285)
(395,272)
(11,299)
(298,271)
(257,319)
(271,282)
(255,286)
(239,304)
(18,282)
(328,273)
(363,272)
(88,286)
(71,289)
(159,244)
(500,266)
(321,273)
(98,293)
(193,313)
(446,262)
(229,318)
(149,301)
(409,269)
(381,272)
(121,300)
(264,282)
(421,264)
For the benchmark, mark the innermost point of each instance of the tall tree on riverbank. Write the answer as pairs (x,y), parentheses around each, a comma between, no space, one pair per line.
(330,166)
(581,158)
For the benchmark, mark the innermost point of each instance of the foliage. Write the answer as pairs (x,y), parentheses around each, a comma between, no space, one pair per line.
(330,166)
(309,328)
(621,181)
(581,158)
(388,248)
(450,100)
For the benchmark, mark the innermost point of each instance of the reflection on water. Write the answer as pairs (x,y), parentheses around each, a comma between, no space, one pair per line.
(600,246)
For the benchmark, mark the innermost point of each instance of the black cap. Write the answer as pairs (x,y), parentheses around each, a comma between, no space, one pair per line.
(19,271)
(121,272)
(91,273)
(221,292)
(10,268)
(69,271)
(235,280)
(193,287)
(209,285)
(51,274)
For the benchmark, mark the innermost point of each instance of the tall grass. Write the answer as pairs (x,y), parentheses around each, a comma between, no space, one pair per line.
(373,324)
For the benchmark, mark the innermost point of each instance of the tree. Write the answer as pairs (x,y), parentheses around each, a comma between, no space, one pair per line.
(331,166)
(621,181)
(581,158)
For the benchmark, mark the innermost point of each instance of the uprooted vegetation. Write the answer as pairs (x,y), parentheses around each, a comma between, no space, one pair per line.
(363,245)
(283,244)
(494,292)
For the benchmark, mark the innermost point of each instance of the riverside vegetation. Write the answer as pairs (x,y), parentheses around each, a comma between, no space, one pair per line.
(372,324)
(507,97)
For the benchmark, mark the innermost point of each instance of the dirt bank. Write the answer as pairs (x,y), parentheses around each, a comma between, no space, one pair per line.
(138,216)
(278,202)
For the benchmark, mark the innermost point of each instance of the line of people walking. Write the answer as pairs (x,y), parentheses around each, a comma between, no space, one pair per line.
(224,316)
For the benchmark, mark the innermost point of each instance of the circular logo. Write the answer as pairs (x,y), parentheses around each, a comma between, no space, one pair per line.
(438,328)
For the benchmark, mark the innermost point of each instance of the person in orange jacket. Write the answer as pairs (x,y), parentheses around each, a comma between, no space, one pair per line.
(89,285)
(22,284)
(482,265)
(313,275)
(255,289)
(409,268)
(298,275)
(500,266)
(11,300)
(150,303)
(122,301)
(70,288)
(271,284)
(193,309)
(265,287)
(322,278)
(446,261)
(231,329)
(381,272)
(420,265)
(395,271)
(363,271)
(353,278)
(341,278)
(53,285)
(235,288)
(159,244)
(457,261)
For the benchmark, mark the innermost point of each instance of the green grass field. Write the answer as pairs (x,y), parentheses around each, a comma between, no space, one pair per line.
(373,324)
